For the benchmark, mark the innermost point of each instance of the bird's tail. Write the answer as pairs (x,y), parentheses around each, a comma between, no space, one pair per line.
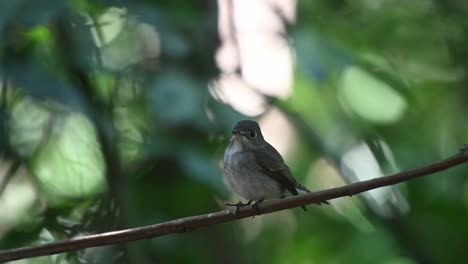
(301,189)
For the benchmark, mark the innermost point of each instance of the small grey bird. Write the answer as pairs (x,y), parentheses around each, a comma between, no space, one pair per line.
(254,169)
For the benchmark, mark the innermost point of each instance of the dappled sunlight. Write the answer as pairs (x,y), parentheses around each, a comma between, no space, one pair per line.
(70,166)
(110,24)
(369,98)
(323,175)
(254,45)
(132,139)
(126,41)
(19,203)
(362,163)
(67,161)
(266,64)
(29,124)
(279,132)
(234,91)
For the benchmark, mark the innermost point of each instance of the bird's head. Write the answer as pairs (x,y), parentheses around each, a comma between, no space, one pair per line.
(247,135)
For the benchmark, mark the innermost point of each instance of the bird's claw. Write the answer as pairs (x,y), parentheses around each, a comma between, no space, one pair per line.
(238,205)
(255,206)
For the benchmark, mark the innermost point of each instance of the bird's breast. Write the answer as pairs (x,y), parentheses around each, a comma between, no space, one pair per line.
(246,178)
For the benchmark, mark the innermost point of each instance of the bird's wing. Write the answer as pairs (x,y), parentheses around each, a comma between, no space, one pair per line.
(272,164)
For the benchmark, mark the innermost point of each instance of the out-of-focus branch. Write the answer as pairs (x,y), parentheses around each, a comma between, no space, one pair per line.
(189,224)
(96,110)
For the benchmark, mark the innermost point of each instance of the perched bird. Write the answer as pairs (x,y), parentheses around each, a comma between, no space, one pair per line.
(254,169)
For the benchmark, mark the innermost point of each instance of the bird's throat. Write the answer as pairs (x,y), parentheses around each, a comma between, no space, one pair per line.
(236,144)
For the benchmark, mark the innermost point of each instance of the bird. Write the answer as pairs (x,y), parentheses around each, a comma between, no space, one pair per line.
(255,169)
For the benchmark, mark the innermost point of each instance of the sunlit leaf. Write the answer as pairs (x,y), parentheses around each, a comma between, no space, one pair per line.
(136,43)
(39,34)
(28,124)
(370,98)
(70,166)
(109,25)
(16,203)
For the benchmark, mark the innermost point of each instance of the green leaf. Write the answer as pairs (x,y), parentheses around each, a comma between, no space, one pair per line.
(370,98)
(71,165)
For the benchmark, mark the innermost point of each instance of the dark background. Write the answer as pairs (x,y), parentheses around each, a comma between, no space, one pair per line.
(109,120)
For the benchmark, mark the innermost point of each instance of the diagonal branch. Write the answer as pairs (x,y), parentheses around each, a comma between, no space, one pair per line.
(191,223)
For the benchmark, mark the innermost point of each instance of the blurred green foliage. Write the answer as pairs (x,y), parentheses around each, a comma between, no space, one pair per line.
(107,122)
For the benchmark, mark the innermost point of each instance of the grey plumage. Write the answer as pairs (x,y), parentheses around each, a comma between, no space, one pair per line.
(254,169)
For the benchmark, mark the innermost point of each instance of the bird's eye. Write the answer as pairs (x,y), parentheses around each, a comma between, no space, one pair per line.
(253,134)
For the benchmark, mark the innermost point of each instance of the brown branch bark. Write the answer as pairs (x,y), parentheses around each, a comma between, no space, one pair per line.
(191,223)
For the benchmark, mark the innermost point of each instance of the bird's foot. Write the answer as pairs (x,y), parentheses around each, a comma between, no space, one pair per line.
(255,206)
(238,205)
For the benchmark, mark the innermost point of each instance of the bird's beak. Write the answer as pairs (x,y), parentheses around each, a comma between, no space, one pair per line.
(236,135)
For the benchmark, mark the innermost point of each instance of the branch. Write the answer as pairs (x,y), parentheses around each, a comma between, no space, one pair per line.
(191,223)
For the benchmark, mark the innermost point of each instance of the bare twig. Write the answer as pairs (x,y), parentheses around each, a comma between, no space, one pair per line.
(189,224)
